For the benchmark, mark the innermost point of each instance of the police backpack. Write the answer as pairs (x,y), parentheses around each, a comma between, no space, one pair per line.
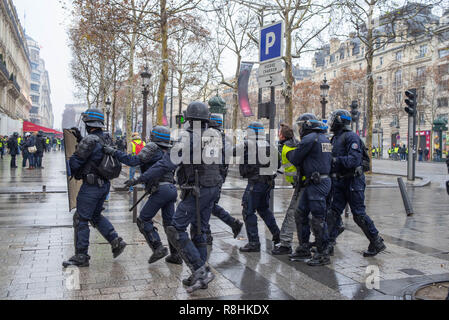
(109,167)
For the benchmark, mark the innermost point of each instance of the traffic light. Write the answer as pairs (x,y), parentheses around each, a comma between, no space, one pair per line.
(411,108)
(180,120)
(355,110)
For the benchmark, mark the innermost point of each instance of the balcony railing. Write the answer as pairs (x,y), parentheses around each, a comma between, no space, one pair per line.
(4,70)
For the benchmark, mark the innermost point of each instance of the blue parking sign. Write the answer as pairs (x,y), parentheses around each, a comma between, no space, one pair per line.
(271,43)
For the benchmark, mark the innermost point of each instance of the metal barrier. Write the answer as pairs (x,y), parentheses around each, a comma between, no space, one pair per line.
(405,197)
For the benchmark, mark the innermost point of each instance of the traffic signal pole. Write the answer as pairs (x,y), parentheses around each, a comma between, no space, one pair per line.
(411,109)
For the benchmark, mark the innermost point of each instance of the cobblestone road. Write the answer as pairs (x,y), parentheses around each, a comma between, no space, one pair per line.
(36,235)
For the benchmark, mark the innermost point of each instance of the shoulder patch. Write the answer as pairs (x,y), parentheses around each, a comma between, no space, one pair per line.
(326,147)
(355,146)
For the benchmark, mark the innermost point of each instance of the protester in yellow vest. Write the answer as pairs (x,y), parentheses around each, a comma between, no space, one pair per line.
(134,148)
(287,142)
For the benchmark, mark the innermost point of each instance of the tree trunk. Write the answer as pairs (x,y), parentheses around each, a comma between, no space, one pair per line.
(289,79)
(164,54)
(370,91)
(129,99)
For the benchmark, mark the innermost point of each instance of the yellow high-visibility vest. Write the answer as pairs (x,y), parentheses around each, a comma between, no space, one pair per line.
(134,144)
(288,168)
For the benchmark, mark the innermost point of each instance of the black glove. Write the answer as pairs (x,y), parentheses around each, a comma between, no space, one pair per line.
(131,183)
(76,132)
(109,150)
(447,164)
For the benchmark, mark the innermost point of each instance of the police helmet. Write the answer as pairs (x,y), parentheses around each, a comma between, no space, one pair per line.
(216,121)
(308,122)
(160,135)
(197,111)
(27,134)
(255,129)
(93,118)
(16,134)
(340,119)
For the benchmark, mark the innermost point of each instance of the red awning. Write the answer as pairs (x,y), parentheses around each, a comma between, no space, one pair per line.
(31,127)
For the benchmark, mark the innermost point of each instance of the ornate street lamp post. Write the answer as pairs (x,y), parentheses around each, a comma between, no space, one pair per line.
(324,87)
(146,77)
(108,112)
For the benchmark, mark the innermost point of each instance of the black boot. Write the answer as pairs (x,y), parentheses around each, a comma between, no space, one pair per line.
(276,239)
(301,253)
(281,250)
(237,228)
(78,260)
(319,259)
(375,247)
(118,245)
(158,254)
(251,247)
(201,278)
(174,257)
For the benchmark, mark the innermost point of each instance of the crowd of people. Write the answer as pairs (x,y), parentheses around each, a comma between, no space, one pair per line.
(31,146)
(326,175)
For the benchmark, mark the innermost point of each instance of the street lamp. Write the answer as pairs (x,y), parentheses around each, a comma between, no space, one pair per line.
(108,112)
(324,87)
(146,77)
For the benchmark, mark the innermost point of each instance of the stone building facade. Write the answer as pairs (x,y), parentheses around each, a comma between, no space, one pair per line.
(15,71)
(41,112)
(422,63)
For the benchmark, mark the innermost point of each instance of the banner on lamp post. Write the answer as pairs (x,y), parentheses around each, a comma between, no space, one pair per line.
(245,72)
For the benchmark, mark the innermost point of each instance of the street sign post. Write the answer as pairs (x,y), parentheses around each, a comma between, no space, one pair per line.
(276,66)
(272,80)
(271,48)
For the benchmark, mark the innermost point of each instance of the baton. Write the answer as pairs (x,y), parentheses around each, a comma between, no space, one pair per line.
(139,201)
(197,201)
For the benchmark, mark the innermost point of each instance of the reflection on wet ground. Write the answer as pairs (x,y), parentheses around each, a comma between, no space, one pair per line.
(36,235)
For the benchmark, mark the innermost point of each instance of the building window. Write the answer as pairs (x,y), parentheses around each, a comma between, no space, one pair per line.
(335,73)
(443,85)
(443,69)
(379,100)
(398,78)
(395,121)
(443,116)
(399,56)
(34,66)
(398,97)
(35,87)
(35,99)
(360,66)
(442,102)
(422,51)
(420,74)
(443,53)
(35,77)
(381,60)
(422,119)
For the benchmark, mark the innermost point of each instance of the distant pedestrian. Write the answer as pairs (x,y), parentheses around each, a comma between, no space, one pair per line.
(426,154)
(2,146)
(40,146)
(420,154)
(13,147)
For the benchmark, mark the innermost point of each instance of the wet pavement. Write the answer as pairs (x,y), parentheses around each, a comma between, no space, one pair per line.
(36,236)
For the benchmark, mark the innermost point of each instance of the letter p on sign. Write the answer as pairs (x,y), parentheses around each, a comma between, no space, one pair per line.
(271,42)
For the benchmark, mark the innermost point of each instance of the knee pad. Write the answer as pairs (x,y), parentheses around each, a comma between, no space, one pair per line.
(172,236)
(140,225)
(76,220)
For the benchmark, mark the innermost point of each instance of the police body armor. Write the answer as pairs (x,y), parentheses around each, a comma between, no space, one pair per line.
(209,174)
(252,171)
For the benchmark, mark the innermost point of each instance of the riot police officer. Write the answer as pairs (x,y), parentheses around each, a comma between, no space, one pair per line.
(158,177)
(348,181)
(314,157)
(94,190)
(257,193)
(216,122)
(200,183)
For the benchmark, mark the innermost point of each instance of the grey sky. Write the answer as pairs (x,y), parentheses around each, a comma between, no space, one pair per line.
(46,23)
